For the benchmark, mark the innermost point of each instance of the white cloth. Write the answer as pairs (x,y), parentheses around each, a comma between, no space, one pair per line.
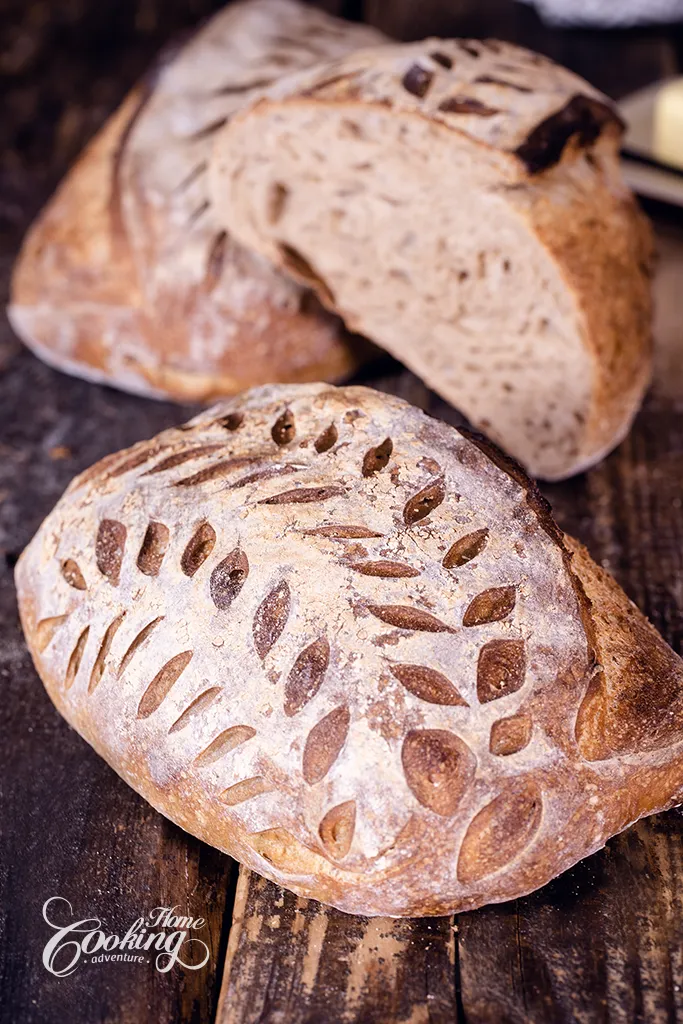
(608,13)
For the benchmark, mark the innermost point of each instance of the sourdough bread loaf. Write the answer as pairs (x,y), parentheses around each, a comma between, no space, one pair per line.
(128,278)
(348,645)
(460,202)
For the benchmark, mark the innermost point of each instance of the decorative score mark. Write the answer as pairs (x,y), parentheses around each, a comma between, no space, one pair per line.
(75,659)
(428,684)
(324,744)
(160,687)
(228,578)
(306,676)
(270,618)
(438,767)
(110,545)
(198,549)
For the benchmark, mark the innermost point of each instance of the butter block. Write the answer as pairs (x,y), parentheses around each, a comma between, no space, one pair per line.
(668,123)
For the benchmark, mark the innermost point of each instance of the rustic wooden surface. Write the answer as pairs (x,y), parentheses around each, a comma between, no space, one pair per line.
(602,943)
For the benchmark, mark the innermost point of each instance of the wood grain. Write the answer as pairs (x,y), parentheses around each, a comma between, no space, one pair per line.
(295,960)
(600,943)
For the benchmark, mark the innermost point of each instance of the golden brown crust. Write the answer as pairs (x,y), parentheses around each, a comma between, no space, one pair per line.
(397,743)
(607,263)
(75,227)
(634,703)
(126,278)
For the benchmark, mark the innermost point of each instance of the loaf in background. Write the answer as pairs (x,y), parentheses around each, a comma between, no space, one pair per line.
(128,279)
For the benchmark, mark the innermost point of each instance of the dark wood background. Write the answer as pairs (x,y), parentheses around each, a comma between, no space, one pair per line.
(603,943)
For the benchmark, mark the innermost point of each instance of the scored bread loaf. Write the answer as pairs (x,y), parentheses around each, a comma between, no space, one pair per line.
(127,277)
(348,645)
(460,203)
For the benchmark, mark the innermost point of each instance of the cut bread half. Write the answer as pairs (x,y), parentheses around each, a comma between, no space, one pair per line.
(460,203)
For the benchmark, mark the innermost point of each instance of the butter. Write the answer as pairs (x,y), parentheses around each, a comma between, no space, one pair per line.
(668,123)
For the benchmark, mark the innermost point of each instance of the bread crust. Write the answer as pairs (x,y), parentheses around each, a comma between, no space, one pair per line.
(126,278)
(349,646)
(604,245)
(543,140)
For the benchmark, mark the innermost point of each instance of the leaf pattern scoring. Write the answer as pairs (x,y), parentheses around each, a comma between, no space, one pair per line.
(224,743)
(501,831)
(271,618)
(109,549)
(438,767)
(425,501)
(73,575)
(160,687)
(228,578)
(405,617)
(306,676)
(428,684)
(337,828)
(490,606)
(465,549)
(198,549)
(501,669)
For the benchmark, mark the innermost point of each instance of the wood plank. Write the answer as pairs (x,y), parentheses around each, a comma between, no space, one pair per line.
(295,960)
(70,827)
(600,943)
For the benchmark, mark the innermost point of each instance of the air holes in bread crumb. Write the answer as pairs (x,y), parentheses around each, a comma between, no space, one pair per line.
(351,129)
(300,267)
(277,201)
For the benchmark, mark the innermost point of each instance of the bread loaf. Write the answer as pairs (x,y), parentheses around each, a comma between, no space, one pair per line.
(127,277)
(348,645)
(460,203)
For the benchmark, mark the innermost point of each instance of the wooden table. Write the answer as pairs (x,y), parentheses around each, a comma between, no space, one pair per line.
(602,943)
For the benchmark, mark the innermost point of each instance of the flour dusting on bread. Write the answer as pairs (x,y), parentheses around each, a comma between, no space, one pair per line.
(348,645)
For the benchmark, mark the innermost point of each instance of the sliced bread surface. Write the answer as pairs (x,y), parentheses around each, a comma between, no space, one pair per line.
(460,203)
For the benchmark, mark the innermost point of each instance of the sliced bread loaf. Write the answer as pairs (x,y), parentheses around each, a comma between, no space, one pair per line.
(460,203)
